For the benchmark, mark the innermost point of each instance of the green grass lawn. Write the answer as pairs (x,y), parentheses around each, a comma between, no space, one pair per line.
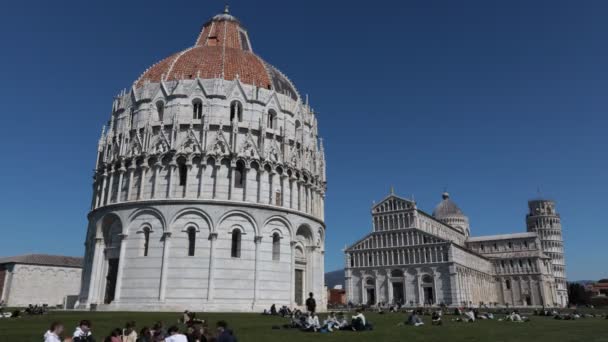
(254,327)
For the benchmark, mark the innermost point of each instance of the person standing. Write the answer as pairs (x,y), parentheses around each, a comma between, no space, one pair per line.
(311,304)
(83,332)
(52,335)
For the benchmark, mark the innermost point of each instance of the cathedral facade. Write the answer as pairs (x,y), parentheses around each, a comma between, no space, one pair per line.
(209,187)
(416,259)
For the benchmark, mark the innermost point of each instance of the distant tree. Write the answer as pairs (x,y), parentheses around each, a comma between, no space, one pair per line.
(603,281)
(578,295)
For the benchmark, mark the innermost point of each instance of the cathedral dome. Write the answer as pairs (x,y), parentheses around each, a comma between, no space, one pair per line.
(448,212)
(222,50)
(446,208)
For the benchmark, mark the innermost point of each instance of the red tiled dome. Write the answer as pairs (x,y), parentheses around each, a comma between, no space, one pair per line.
(222,50)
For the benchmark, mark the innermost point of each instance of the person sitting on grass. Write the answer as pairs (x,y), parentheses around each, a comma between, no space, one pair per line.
(129,334)
(175,336)
(115,336)
(414,319)
(145,335)
(436,318)
(52,335)
(83,332)
(331,322)
(312,323)
(468,316)
(223,333)
(342,322)
(358,321)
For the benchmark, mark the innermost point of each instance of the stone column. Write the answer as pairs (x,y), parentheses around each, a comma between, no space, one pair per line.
(121,266)
(188,170)
(282,180)
(212,239)
(157,166)
(217,172)
(103,187)
(231,178)
(299,186)
(142,179)
(377,287)
(131,170)
(419,289)
(246,182)
(111,184)
(271,186)
(202,167)
(389,285)
(292,244)
(165,266)
(256,273)
(95,272)
(121,172)
(172,166)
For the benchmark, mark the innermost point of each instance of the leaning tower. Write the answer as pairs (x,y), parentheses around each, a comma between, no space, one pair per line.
(544,220)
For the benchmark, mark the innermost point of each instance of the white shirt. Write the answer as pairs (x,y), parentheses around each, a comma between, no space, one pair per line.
(176,338)
(360,315)
(51,337)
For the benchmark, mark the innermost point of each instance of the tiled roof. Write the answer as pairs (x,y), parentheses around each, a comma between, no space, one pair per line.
(502,237)
(222,50)
(43,259)
(446,208)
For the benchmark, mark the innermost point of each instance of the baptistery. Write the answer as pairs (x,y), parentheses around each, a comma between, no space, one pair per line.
(209,186)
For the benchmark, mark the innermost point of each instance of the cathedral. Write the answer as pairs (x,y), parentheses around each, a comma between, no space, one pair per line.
(209,187)
(416,259)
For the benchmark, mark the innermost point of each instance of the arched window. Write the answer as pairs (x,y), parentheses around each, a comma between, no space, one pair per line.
(146,240)
(197,109)
(239,174)
(236,111)
(276,247)
(298,125)
(191,241)
(272,119)
(160,109)
(235,251)
(183,174)
(508,284)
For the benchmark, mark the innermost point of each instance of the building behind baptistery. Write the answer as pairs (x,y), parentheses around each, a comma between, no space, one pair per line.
(209,186)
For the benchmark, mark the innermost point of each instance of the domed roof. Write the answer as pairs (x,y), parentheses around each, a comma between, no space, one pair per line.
(446,208)
(222,50)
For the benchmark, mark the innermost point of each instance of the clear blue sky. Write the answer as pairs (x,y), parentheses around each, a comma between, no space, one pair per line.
(491,99)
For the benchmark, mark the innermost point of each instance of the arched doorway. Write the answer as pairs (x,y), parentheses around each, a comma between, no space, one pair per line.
(302,267)
(428,289)
(398,284)
(370,291)
(111,230)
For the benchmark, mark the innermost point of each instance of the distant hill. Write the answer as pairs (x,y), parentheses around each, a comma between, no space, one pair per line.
(334,278)
(583,282)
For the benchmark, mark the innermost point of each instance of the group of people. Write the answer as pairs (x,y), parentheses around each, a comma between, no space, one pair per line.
(334,321)
(196,331)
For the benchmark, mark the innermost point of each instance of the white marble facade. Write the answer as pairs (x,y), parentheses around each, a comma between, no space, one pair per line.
(209,191)
(417,259)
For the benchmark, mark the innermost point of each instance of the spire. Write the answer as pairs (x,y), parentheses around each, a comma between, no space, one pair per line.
(227,9)
(392,190)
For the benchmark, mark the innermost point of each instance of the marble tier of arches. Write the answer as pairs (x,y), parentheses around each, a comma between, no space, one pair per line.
(192,176)
(211,257)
